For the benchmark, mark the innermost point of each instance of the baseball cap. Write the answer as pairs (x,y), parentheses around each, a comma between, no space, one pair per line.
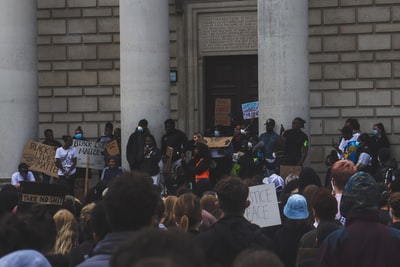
(270,122)
(296,207)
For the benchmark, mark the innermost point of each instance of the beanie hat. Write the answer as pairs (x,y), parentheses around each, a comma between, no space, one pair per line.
(296,207)
(276,180)
(360,193)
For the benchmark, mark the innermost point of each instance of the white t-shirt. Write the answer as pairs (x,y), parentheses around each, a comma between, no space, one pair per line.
(16,178)
(66,156)
(365,159)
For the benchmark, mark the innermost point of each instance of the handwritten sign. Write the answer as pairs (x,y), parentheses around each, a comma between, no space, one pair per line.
(112,148)
(213,142)
(285,170)
(222,110)
(250,110)
(40,158)
(263,209)
(95,151)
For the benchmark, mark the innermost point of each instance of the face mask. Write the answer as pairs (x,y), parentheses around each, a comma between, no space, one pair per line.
(79,136)
(140,129)
(250,145)
(216,133)
(356,144)
(242,131)
(374,132)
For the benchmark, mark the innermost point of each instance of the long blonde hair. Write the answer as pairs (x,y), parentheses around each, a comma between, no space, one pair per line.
(67,232)
(168,219)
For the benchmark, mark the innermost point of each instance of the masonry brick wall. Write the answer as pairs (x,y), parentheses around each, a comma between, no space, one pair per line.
(78,53)
(354,69)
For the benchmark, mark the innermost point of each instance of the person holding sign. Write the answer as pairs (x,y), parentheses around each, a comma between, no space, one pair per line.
(22,175)
(66,158)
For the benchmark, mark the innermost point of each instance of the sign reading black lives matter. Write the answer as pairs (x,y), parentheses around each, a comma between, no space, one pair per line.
(263,209)
(95,151)
(40,158)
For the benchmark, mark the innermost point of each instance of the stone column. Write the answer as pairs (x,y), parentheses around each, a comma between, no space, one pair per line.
(283,61)
(144,66)
(18,81)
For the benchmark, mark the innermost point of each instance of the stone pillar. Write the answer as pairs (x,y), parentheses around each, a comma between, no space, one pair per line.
(18,81)
(283,88)
(144,66)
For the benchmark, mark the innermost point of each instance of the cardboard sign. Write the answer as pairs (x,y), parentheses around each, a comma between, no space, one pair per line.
(221,111)
(39,193)
(92,150)
(285,170)
(40,158)
(112,148)
(213,142)
(250,110)
(263,209)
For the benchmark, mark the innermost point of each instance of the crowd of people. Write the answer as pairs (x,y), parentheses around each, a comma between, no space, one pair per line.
(184,203)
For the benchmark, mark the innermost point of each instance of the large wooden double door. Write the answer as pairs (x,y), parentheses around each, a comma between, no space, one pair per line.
(230,77)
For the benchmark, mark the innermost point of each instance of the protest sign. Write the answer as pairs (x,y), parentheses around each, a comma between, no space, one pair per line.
(112,148)
(40,193)
(285,170)
(213,142)
(250,110)
(40,158)
(263,209)
(221,111)
(92,150)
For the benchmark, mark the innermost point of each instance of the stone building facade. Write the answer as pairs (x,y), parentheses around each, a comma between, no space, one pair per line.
(353,55)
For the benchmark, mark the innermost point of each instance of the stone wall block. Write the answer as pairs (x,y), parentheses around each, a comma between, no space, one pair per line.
(355,2)
(396,98)
(373,14)
(393,27)
(97,65)
(95,91)
(374,70)
(66,13)
(314,44)
(82,52)
(67,91)
(374,42)
(340,71)
(315,72)
(356,28)
(82,78)
(98,117)
(82,104)
(51,26)
(339,43)
(47,79)
(80,3)
(67,39)
(50,4)
(104,38)
(322,3)
(97,12)
(108,2)
(357,84)
(58,104)
(324,113)
(356,57)
(67,65)
(82,26)
(52,53)
(323,58)
(109,77)
(339,16)
(357,112)
(109,104)
(111,51)
(109,25)
(340,99)
(71,117)
(323,30)
(374,98)
(328,85)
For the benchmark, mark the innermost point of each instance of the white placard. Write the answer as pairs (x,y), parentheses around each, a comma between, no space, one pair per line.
(263,209)
(250,110)
(95,151)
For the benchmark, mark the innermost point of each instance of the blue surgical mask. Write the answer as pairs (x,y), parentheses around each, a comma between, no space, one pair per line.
(216,133)
(79,136)
(356,144)
(374,132)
